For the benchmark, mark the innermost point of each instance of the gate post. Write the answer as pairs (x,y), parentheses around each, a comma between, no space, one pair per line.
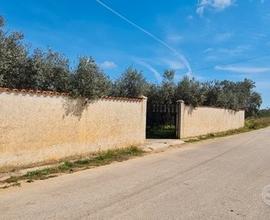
(179,119)
(144,115)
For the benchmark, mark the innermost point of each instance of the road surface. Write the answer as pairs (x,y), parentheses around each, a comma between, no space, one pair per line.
(216,179)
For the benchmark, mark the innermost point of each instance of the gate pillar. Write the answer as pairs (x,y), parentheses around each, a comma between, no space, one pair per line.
(144,114)
(179,118)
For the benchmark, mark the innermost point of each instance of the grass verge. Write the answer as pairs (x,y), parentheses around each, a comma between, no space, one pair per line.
(106,157)
(250,125)
(99,159)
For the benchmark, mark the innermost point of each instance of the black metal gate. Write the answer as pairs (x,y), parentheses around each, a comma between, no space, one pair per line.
(161,120)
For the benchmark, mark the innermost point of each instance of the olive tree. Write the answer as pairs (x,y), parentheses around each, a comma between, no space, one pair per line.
(13,59)
(168,87)
(130,84)
(190,91)
(51,71)
(88,80)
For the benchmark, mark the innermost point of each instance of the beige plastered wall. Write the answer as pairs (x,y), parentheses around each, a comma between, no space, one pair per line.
(36,128)
(206,120)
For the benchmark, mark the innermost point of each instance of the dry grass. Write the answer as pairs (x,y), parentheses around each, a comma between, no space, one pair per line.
(99,159)
(250,125)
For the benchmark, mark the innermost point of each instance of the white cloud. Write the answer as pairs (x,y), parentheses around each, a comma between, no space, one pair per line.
(108,65)
(243,69)
(217,5)
(213,54)
(168,63)
(208,50)
(239,50)
(173,64)
(150,68)
(258,36)
(190,17)
(175,38)
(221,37)
(149,34)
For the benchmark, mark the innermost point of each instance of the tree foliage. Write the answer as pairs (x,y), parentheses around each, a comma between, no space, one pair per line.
(233,95)
(264,112)
(130,84)
(49,70)
(224,94)
(168,87)
(88,80)
(13,58)
(190,91)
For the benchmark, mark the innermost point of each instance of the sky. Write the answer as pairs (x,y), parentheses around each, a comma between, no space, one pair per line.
(205,39)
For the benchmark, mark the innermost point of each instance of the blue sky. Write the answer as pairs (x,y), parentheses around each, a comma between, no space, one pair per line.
(208,39)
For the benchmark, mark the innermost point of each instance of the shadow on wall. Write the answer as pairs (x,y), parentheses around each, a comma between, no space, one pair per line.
(190,109)
(76,107)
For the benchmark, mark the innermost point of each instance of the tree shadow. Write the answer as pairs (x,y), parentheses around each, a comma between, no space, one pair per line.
(190,109)
(76,107)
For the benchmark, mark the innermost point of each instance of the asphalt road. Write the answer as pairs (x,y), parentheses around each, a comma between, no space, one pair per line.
(217,179)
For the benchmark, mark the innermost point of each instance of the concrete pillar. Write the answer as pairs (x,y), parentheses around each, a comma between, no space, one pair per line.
(144,115)
(179,119)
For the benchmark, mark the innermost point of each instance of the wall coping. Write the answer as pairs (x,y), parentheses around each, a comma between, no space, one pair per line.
(63,94)
(214,107)
(207,106)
